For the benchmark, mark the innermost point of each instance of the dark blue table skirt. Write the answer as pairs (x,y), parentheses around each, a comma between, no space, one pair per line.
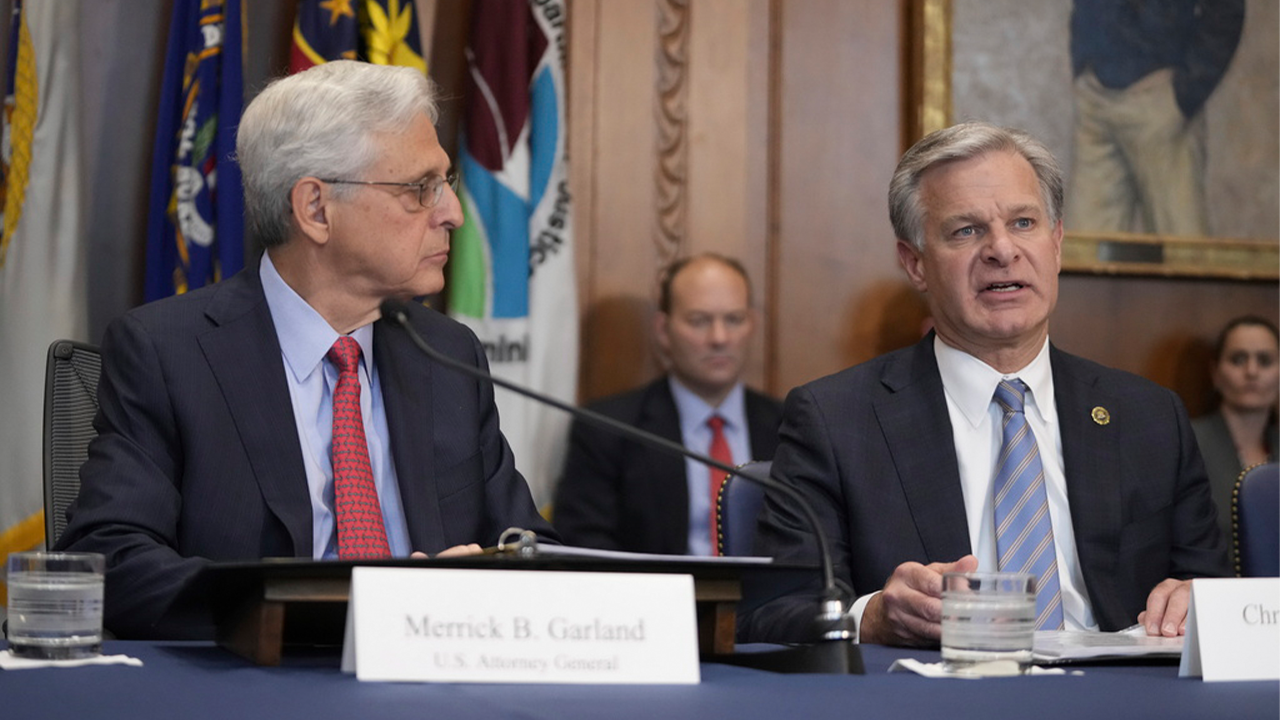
(201,681)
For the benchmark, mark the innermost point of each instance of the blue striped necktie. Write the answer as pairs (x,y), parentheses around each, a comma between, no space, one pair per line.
(1024,531)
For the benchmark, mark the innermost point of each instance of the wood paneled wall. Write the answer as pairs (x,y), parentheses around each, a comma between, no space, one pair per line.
(768,129)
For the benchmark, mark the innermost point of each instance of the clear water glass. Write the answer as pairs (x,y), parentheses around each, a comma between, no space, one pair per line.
(55,604)
(988,622)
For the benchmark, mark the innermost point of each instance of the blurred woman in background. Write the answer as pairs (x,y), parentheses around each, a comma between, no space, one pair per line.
(1242,432)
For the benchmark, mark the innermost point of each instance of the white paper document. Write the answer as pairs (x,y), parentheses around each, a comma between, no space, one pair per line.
(940,670)
(549,550)
(9,662)
(1065,646)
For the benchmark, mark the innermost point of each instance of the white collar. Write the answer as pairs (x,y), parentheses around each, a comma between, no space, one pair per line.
(971,383)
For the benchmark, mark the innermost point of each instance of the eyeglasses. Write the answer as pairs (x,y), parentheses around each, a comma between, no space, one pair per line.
(429,191)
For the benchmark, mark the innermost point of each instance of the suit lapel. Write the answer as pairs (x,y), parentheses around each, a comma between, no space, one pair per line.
(762,426)
(913,417)
(1091,458)
(669,484)
(405,376)
(244,355)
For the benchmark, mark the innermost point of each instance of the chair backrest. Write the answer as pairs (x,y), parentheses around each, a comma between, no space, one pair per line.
(70,403)
(737,507)
(1255,515)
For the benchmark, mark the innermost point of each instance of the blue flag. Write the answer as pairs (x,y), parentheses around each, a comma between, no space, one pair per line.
(383,32)
(195,232)
(322,31)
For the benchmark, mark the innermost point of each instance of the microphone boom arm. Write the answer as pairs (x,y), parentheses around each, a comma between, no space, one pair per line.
(395,312)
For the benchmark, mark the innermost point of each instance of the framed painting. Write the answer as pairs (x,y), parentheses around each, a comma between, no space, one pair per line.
(1012,62)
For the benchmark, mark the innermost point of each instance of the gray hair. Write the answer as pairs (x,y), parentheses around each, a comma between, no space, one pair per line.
(963,142)
(321,122)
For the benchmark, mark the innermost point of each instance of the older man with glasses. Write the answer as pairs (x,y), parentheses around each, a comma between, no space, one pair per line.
(273,414)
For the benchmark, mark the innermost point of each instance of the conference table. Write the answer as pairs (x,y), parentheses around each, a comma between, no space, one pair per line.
(201,680)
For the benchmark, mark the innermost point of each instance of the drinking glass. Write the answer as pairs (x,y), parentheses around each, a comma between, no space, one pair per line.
(988,622)
(55,604)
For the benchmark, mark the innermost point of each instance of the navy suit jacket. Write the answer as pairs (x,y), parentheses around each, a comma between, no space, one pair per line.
(620,495)
(198,457)
(872,449)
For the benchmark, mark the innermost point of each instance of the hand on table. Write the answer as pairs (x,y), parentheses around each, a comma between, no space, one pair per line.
(1166,613)
(908,611)
(455,551)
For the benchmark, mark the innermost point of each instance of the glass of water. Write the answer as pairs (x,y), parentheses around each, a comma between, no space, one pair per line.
(55,604)
(988,622)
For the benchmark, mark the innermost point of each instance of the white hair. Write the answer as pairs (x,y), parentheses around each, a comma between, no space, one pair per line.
(321,122)
(962,142)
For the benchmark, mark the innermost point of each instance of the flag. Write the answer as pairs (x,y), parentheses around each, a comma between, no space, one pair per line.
(195,230)
(390,34)
(511,269)
(324,30)
(43,275)
(383,32)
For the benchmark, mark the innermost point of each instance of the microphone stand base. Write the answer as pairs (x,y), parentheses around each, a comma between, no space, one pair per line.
(835,657)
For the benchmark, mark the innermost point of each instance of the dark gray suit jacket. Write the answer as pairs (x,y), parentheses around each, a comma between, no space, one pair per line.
(198,458)
(620,495)
(1223,463)
(872,449)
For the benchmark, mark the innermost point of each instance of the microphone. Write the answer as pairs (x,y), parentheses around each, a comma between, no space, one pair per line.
(832,621)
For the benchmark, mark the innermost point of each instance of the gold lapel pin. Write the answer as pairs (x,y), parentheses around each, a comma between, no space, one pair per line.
(1100,415)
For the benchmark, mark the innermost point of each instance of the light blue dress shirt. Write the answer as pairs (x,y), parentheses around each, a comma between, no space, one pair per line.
(305,339)
(696,434)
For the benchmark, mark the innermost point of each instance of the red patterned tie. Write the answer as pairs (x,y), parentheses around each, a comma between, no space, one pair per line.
(355,498)
(720,452)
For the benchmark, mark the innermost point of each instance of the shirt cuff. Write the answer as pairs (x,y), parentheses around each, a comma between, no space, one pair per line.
(858,607)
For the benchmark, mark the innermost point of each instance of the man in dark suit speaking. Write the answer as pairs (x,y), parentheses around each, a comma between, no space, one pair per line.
(620,495)
(984,446)
(274,414)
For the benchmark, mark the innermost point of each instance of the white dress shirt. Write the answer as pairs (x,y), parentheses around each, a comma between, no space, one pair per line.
(970,386)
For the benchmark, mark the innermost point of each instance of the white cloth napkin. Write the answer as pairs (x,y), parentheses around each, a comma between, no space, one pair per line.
(938,670)
(9,662)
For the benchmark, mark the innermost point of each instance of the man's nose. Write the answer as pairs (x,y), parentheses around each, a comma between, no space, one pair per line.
(999,246)
(449,209)
(719,332)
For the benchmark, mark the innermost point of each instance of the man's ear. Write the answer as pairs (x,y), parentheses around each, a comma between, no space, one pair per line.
(1057,236)
(309,205)
(912,260)
(661,332)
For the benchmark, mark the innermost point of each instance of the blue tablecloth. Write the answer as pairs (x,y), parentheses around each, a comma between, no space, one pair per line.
(184,680)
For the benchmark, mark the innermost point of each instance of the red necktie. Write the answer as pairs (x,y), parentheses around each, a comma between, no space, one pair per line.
(355,498)
(720,452)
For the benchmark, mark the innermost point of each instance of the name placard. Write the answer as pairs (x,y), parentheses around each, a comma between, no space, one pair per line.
(1233,630)
(493,626)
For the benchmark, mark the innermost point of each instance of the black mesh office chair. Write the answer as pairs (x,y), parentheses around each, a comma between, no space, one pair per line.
(70,403)
(737,507)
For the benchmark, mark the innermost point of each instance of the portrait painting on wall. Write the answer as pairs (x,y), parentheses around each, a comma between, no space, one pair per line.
(1162,112)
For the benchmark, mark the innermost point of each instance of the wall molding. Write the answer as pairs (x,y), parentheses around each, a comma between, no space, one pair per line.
(671,176)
